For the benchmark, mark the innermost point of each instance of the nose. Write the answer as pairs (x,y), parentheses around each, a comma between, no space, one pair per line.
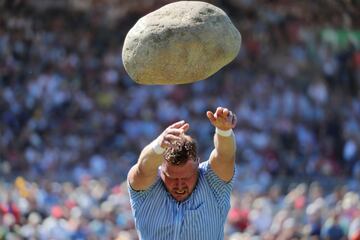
(179,183)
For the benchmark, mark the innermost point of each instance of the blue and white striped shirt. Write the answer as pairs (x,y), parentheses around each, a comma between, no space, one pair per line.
(158,216)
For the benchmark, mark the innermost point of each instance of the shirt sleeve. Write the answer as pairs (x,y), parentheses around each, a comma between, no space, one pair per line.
(138,197)
(221,189)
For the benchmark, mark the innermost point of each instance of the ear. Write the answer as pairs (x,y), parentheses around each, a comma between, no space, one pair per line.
(161,170)
(197,162)
(162,166)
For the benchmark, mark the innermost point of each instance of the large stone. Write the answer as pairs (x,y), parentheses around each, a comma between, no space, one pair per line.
(182,42)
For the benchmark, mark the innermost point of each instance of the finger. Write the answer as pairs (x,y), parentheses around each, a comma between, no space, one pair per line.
(185,127)
(233,121)
(210,116)
(224,114)
(166,144)
(219,112)
(177,124)
(174,131)
(171,138)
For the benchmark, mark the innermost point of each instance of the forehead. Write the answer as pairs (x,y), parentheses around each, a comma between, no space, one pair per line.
(182,171)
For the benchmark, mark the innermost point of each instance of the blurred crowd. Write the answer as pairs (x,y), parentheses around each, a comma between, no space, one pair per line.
(72,121)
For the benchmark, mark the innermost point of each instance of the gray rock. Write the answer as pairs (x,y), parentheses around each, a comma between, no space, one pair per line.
(182,42)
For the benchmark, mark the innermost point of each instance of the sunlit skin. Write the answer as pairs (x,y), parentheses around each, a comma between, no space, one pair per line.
(180,181)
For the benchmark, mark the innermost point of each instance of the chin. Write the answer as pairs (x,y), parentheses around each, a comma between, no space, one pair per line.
(180,198)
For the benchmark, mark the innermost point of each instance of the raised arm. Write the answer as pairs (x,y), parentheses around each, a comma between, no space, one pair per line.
(144,173)
(222,158)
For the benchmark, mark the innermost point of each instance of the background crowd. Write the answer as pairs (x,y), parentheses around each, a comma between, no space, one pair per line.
(72,121)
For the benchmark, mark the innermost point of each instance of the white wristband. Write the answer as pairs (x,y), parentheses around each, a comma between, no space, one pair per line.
(224,133)
(157,148)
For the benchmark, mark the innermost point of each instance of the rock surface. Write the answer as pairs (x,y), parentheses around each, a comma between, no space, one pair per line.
(182,42)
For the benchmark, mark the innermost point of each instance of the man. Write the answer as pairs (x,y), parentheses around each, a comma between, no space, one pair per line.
(172,195)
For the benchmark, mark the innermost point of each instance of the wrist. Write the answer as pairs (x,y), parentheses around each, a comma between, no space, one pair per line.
(224,133)
(156,147)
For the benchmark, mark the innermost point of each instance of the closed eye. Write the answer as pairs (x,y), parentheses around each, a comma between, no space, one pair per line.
(187,178)
(171,178)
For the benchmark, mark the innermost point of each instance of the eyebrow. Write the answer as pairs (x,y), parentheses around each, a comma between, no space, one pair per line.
(167,175)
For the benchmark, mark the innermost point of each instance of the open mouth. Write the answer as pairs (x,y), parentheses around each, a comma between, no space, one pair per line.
(180,192)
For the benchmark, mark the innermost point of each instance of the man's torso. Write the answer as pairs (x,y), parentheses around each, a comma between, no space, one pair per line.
(202,216)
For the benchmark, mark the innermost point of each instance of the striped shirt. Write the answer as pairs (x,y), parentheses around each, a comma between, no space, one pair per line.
(158,216)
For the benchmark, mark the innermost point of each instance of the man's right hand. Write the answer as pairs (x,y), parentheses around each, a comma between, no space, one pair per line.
(172,134)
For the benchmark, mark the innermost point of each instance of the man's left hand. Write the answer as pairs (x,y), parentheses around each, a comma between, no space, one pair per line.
(223,118)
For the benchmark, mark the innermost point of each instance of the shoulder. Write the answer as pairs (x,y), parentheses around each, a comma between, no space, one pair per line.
(204,166)
(211,177)
(138,197)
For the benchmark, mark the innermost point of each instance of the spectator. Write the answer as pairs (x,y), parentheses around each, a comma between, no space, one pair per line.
(63,92)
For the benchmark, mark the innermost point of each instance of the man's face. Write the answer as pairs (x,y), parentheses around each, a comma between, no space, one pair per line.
(181,180)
